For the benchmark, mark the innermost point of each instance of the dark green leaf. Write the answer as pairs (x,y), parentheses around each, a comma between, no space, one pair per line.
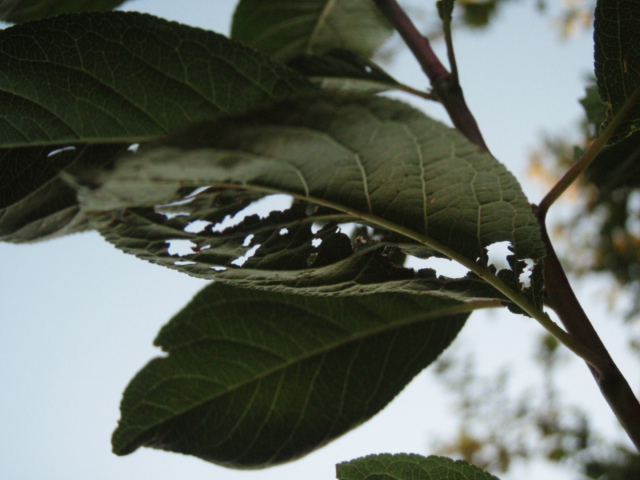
(617,165)
(35,203)
(124,76)
(409,467)
(16,11)
(341,69)
(371,158)
(287,28)
(288,257)
(254,378)
(479,14)
(617,58)
(108,80)
(445,10)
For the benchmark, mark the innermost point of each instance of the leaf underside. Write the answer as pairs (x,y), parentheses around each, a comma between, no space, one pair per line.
(617,58)
(364,160)
(409,467)
(16,11)
(254,378)
(78,89)
(287,28)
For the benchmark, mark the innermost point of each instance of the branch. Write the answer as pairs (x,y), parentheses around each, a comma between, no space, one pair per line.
(561,298)
(445,86)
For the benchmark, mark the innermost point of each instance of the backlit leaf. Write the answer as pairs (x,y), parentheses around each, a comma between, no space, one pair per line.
(409,467)
(254,378)
(16,11)
(372,160)
(108,80)
(617,58)
(286,28)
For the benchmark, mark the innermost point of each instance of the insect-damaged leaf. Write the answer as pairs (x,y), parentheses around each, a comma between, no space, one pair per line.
(373,160)
(288,28)
(254,378)
(16,11)
(617,58)
(285,251)
(404,466)
(78,107)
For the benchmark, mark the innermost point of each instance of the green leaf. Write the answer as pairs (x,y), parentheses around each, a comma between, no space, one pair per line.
(372,159)
(150,76)
(287,28)
(409,467)
(617,58)
(35,203)
(288,257)
(341,69)
(16,11)
(254,378)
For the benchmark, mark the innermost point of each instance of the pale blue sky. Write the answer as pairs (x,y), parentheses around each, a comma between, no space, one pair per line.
(79,317)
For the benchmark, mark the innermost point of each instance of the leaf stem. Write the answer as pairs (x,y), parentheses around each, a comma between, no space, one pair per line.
(445,85)
(588,156)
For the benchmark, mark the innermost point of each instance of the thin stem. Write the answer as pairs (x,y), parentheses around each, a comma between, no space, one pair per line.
(444,85)
(448,38)
(589,155)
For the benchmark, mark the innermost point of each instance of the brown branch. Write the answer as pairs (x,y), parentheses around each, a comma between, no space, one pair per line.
(561,298)
(444,85)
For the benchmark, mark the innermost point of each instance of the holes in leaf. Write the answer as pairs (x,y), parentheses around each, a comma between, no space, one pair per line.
(248,240)
(243,259)
(262,208)
(180,263)
(60,150)
(197,226)
(180,247)
(497,253)
(525,276)
(442,266)
(283,231)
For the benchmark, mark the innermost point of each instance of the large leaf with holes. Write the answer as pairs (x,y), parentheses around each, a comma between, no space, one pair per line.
(16,11)
(108,79)
(404,466)
(617,58)
(285,251)
(286,28)
(374,160)
(255,378)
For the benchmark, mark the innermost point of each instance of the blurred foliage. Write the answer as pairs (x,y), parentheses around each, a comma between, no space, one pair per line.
(497,430)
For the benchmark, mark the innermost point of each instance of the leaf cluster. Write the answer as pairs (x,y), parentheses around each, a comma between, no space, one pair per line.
(155,133)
